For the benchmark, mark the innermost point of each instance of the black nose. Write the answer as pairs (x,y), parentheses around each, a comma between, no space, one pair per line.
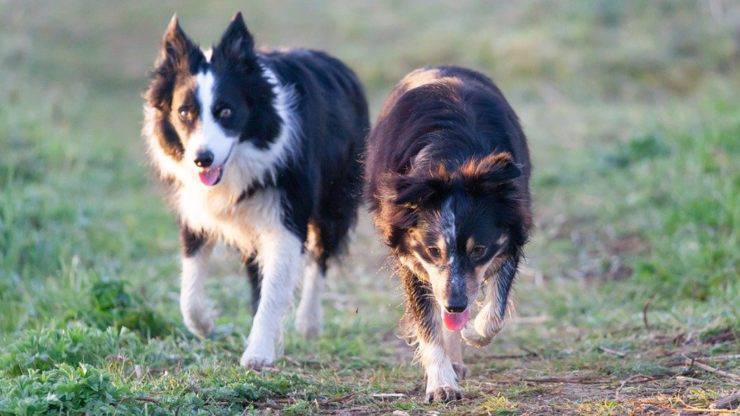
(204,159)
(456,305)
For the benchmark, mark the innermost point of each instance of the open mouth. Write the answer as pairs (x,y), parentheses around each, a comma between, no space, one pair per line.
(455,321)
(211,175)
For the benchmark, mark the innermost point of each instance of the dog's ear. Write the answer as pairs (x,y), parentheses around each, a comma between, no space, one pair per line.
(413,191)
(404,194)
(178,51)
(491,174)
(178,55)
(236,43)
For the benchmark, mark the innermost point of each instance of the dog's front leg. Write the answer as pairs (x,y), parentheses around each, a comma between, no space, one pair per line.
(279,255)
(454,347)
(442,380)
(194,305)
(490,320)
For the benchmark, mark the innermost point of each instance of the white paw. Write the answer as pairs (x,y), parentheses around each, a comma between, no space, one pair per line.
(255,361)
(308,329)
(481,332)
(308,321)
(474,339)
(442,383)
(443,394)
(199,320)
(259,354)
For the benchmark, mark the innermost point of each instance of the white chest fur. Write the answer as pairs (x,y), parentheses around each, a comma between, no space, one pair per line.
(219,213)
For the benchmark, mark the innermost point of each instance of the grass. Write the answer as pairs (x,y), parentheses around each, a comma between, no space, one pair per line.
(634,126)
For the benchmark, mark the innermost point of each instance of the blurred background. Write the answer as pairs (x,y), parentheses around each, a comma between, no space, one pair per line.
(632,112)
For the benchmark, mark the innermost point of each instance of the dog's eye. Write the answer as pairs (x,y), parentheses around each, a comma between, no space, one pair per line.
(224,112)
(186,114)
(434,252)
(477,252)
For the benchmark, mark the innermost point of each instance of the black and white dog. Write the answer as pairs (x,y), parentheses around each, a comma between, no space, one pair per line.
(448,182)
(261,150)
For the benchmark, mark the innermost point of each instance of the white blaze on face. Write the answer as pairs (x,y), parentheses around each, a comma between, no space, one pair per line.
(448,239)
(439,277)
(447,225)
(209,134)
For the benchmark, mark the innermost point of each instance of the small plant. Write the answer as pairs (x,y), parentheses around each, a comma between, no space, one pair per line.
(499,405)
(66,389)
(72,345)
(111,304)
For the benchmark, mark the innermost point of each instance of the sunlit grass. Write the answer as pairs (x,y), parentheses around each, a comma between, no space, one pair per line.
(633,124)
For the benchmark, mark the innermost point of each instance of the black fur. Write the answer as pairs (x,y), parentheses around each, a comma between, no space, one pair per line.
(191,241)
(237,65)
(318,189)
(255,281)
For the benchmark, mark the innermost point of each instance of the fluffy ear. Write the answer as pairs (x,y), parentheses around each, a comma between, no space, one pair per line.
(236,43)
(413,191)
(178,54)
(404,194)
(177,49)
(490,174)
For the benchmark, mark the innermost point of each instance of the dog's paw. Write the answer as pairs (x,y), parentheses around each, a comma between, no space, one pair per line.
(443,394)
(308,328)
(481,331)
(473,338)
(255,363)
(461,371)
(257,358)
(443,389)
(199,322)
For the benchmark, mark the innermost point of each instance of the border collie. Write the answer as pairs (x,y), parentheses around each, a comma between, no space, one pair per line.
(448,171)
(261,150)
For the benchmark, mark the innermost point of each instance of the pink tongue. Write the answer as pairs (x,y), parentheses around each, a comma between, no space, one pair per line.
(210,176)
(455,321)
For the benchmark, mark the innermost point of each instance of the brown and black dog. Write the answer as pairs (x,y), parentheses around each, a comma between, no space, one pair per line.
(447,170)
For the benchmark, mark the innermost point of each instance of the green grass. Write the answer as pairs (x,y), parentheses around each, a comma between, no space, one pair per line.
(634,126)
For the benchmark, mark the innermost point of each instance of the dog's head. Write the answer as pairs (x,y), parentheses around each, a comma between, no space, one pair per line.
(452,226)
(202,106)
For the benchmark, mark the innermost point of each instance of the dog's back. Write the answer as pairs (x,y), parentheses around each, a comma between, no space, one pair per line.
(334,139)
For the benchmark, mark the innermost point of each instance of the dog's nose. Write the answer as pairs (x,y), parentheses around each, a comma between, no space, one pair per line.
(456,306)
(204,159)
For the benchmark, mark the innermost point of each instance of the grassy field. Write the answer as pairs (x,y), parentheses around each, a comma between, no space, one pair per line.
(629,302)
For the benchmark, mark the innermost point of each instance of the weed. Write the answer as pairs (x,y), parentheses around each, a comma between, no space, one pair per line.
(498,405)
(73,344)
(113,306)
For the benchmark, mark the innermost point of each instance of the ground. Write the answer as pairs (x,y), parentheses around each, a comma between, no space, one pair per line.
(629,300)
